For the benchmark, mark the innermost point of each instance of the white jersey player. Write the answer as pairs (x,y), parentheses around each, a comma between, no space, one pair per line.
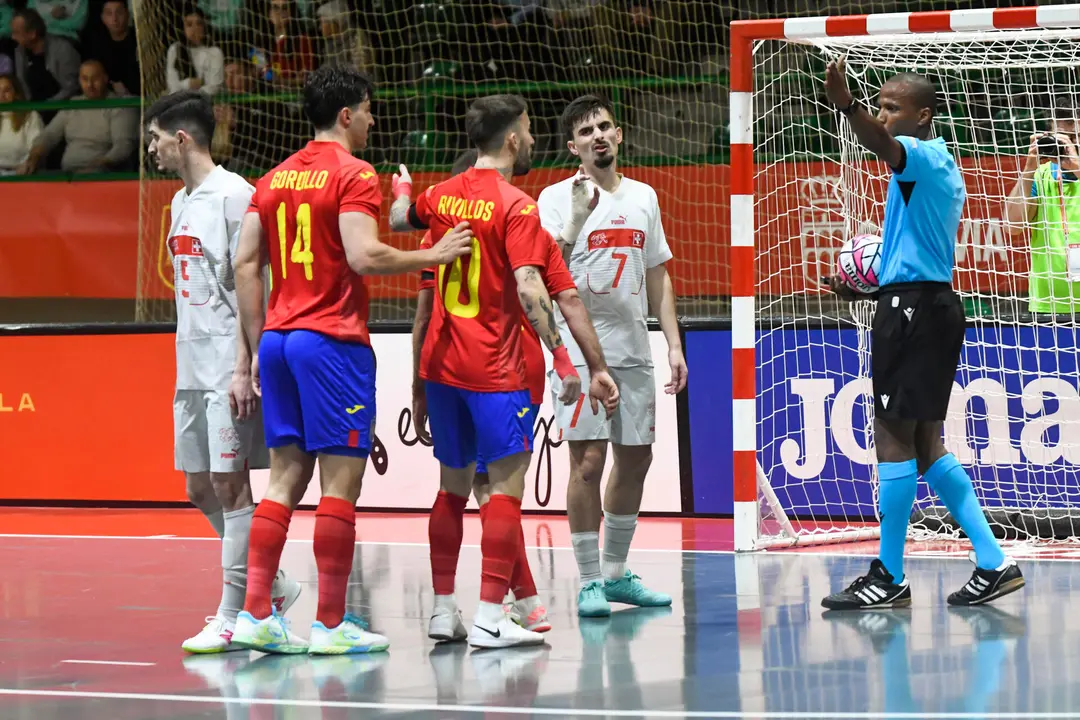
(217,423)
(610,229)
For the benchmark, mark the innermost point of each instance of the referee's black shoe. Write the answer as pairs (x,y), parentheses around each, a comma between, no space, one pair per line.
(987,585)
(872,591)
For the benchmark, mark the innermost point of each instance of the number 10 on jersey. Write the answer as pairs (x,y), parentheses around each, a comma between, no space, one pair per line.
(301,247)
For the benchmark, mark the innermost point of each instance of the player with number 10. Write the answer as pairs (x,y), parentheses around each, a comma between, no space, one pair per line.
(472,361)
(315,219)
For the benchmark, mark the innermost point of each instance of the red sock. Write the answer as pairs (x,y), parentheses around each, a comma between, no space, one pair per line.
(483,515)
(335,538)
(269,528)
(444,537)
(521,582)
(499,545)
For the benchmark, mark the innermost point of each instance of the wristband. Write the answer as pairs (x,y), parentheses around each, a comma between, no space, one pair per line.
(399,188)
(563,367)
(849,109)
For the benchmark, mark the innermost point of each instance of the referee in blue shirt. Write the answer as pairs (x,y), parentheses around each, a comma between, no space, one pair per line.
(915,342)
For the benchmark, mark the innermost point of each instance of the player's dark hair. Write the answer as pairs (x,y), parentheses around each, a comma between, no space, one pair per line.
(188,110)
(1064,108)
(464,161)
(923,92)
(33,21)
(583,108)
(489,118)
(331,88)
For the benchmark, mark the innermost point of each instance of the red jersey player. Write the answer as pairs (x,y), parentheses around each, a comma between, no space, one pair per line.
(472,359)
(315,218)
(526,608)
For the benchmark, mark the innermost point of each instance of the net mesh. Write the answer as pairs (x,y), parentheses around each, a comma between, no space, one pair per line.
(1010,417)
(664,65)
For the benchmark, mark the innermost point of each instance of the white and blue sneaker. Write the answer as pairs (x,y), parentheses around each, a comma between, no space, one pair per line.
(350,637)
(271,635)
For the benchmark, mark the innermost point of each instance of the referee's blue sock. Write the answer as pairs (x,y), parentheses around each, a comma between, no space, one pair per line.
(948,478)
(896,496)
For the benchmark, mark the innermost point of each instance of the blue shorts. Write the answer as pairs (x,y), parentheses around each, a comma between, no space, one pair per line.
(534,412)
(317,393)
(469,426)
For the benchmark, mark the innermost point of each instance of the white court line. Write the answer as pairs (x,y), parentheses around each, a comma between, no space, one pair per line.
(478,709)
(108,662)
(787,552)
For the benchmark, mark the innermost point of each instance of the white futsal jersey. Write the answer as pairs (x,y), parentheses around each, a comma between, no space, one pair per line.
(622,238)
(202,241)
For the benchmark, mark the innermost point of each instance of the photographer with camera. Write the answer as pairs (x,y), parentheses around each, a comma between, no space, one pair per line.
(1047,200)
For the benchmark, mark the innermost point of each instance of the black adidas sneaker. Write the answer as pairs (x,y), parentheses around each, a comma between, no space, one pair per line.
(872,591)
(987,585)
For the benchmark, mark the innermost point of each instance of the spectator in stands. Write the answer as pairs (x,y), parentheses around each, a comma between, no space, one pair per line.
(226,17)
(46,65)
(193,63)
(97,139)
(18,130)
(65,18)
(116,48)
(249,136)
(342,42)
(7,45)
(291,54)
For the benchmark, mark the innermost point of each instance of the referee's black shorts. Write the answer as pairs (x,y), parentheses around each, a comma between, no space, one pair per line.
(915,344)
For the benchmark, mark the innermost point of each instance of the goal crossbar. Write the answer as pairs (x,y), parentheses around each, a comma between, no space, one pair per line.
(745,35)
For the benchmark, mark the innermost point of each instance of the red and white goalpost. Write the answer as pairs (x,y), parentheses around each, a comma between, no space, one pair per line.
(800,184)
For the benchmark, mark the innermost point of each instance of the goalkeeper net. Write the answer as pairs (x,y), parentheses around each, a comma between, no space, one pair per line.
(1012,421)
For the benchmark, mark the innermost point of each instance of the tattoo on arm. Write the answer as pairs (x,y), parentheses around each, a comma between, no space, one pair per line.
(549,312)
(399,214)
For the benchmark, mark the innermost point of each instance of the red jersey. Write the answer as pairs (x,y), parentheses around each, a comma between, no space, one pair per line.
(474,340)
(556,278)
(298,202)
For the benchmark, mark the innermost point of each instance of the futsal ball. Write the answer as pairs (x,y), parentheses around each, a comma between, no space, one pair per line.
(859,263)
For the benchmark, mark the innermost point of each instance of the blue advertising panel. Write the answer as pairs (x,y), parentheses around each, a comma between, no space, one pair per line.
(1014,418)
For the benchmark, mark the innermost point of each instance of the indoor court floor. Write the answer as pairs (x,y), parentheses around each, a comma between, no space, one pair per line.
(94,605)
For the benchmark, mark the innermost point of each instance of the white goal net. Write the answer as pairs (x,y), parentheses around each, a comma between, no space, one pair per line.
(1014,419)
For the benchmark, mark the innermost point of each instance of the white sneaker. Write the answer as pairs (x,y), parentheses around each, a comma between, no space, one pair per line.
(216,637)
(271,635)
(351,636)
(446,624)
(284,592)
(505,633)
(530,614)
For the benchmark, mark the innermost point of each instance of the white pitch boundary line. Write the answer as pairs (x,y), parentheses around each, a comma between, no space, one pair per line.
(108,662)
(787,552)
(477,709)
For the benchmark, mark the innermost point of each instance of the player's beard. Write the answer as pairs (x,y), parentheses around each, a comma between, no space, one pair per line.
(603,162)
(522,164)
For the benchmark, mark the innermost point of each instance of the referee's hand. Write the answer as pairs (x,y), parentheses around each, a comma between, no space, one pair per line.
(839,287)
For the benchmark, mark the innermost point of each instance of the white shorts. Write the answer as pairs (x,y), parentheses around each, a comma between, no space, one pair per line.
(208,438)
(634,419)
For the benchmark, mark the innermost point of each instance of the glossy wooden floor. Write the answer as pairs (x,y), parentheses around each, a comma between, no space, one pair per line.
(94,604)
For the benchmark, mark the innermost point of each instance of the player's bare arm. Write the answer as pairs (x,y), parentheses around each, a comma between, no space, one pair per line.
(661,295)
(538,308)
(425,302)
(250,293)
(602,388)
(870,130)
(367,255)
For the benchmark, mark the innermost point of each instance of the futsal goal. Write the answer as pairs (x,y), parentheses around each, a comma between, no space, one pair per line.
(802,410)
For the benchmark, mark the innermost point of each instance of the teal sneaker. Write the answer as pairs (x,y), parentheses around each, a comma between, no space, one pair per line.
(630,590)
(591,601)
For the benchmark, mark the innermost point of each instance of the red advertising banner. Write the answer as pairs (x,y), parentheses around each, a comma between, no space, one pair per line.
(81,239)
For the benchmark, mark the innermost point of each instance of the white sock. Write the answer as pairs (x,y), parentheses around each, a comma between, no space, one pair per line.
(446,602)
(234,557)
(217,521)
(489,614)
(587,554)
(618,534)
(528,604)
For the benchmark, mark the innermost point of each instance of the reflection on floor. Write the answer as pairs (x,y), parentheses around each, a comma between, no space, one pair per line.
(90,627)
